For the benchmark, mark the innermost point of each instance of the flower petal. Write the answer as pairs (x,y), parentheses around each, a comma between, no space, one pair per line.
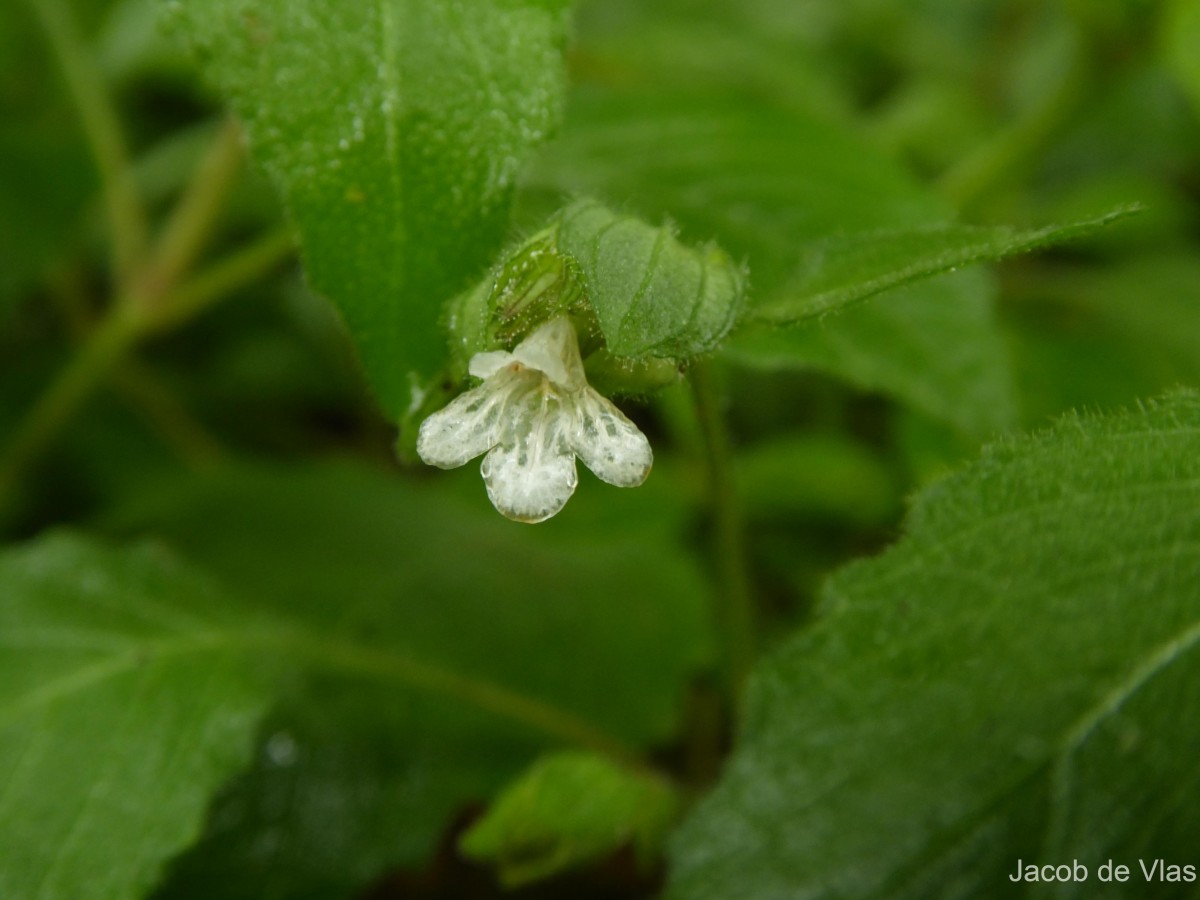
(485,365)
(554,350)
(468,426)
(608,443)
(531,474)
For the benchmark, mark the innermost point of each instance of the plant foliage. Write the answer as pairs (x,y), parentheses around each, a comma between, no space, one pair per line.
(810,259)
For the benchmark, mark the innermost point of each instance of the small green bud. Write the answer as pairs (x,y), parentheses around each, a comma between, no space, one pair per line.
(535,284)
(620,282)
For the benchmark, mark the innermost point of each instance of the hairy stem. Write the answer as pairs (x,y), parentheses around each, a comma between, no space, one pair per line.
(101,127)
(737,615)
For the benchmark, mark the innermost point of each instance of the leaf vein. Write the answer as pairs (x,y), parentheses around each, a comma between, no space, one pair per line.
(389,69)
(651,265)
(99,787)
(1145,670)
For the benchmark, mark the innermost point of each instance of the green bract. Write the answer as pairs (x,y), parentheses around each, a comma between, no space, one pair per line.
(652,295)
(645,301)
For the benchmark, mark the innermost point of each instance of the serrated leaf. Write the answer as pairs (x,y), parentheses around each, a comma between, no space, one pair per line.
(569,809)
(839,271)
(901,346)
(1011,681)
(601,615)
(394,131)
(124,702)
(653,295)
(763,180)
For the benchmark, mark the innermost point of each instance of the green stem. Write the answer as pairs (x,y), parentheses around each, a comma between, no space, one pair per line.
(705,724)
(1003,158)
(191,222)
(493,698)
(222,279)
(167,415)
(107,344)
(101,127)
(117,334)
(737,614)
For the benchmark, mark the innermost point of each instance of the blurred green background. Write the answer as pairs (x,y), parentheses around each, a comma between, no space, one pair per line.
(246,439)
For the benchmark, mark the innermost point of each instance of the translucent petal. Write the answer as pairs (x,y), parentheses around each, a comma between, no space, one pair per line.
(608,443)
(484,365)
(468,426)
(554,350)
(531,474)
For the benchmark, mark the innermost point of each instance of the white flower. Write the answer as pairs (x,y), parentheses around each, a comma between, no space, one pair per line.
(533,414)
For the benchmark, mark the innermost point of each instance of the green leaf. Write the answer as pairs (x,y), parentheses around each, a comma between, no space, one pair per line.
(1010,681)
(597,620)
(764,181)
(350,779)
(1181,38)
(759,178)
(124,702)
(653,295)
(394,131)
(414,567)
(839,271)
(935,345)
(569,809)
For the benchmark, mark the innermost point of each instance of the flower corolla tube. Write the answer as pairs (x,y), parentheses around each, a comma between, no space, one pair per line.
(533,415)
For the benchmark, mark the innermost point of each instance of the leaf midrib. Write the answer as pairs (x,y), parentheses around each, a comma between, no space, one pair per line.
(338,655)
(97,671)
(1055,764)
(392,97)
(978,245)
(1142,672)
